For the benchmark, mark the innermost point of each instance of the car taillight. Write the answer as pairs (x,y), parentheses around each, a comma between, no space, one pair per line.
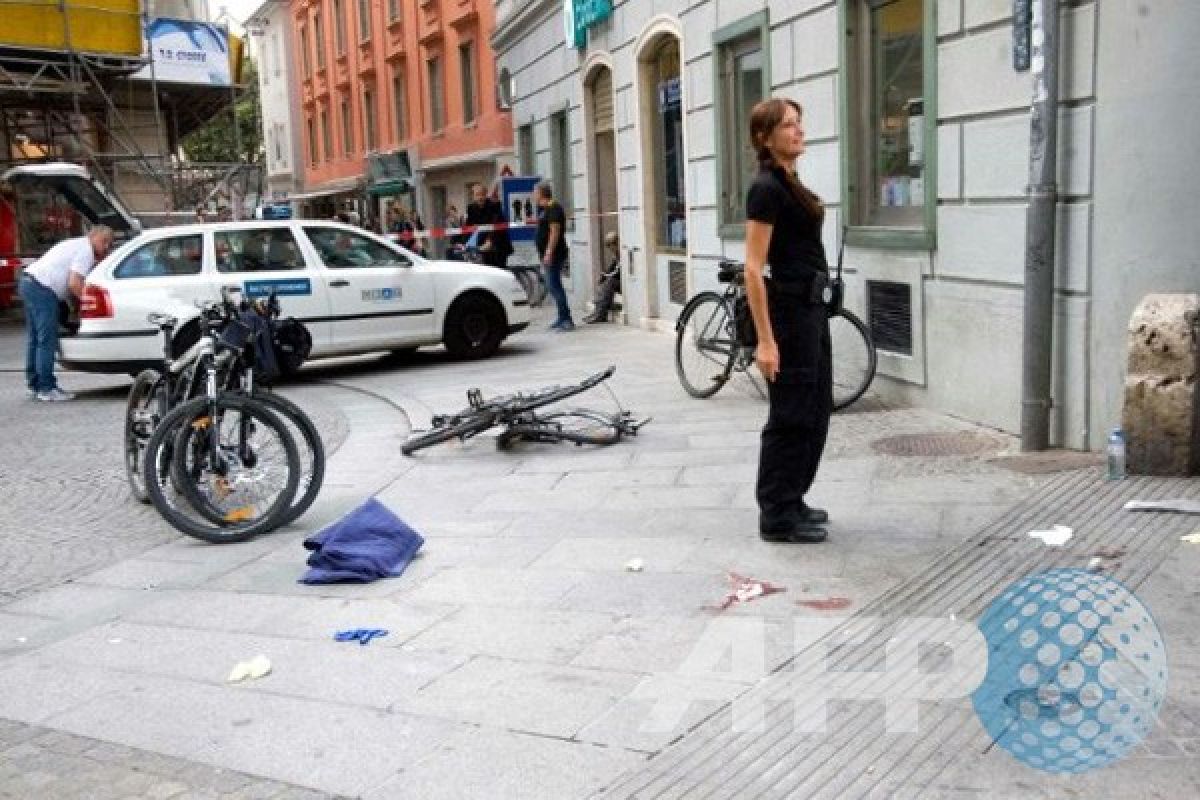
(96,303)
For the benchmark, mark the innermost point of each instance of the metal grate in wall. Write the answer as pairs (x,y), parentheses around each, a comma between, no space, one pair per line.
(677,277)
(889,315)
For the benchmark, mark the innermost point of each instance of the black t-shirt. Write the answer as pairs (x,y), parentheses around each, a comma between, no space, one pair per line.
(796,250)
(552,214)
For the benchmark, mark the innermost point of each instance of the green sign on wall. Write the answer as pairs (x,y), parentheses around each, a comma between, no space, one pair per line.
(579,15)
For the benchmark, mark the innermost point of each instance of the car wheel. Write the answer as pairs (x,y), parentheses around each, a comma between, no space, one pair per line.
(475,326)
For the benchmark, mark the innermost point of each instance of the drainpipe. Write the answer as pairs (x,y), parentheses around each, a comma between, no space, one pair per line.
(1040,225)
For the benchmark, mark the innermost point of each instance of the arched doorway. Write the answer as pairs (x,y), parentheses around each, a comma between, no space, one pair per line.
(604,203)
(664,167)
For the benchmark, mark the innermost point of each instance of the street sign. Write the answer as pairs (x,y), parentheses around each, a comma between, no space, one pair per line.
(579,15)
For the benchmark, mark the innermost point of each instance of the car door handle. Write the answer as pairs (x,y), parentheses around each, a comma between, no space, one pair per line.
(338,284)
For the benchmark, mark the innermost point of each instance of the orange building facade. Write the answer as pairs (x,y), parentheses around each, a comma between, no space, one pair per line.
(414,78)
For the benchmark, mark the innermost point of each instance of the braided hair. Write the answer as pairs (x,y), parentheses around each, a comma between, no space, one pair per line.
(765,117)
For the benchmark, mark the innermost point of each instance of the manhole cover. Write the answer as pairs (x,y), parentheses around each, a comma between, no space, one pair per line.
(962,443)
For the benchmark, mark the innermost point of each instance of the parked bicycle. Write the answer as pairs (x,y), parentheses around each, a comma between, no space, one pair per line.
(210,478)
(517,415)
(714,330)
(530,276)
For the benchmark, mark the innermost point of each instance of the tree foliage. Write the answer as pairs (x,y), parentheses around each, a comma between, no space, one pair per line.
(216,142)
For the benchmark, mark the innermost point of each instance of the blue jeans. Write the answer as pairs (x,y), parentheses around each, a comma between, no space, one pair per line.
(554,285)
(41,334)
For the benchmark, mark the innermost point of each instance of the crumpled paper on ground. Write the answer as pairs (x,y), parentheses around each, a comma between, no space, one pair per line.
(1055,537)
(256,667)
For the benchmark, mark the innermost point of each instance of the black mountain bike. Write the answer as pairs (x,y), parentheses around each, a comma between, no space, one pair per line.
(709,346)
(517,415)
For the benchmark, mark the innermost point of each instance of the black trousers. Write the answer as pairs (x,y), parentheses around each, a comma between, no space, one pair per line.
(801,400)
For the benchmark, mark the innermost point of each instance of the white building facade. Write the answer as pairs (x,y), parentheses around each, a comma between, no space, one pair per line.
(268,31)
(918,130)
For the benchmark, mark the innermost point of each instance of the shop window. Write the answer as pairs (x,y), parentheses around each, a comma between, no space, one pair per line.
(890,174)
(399,103)
(466,63)
(671,167)
(560,149)
(742,81)
(525,150)
(339,27)
(437,94)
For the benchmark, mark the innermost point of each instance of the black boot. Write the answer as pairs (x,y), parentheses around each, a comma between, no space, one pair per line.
(789,529)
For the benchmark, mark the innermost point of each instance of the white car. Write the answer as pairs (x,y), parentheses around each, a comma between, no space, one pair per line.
(356,292)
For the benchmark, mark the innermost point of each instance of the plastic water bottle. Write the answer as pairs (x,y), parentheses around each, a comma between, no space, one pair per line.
(1116,455)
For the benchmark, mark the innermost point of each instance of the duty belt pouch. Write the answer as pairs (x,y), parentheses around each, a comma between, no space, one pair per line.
(816,290)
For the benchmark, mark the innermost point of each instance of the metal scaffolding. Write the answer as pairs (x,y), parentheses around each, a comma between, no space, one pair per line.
(68,102)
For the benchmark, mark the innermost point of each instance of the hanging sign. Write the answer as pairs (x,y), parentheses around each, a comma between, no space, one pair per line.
(579,15)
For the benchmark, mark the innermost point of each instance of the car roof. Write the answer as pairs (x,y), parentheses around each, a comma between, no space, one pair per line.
(239,225)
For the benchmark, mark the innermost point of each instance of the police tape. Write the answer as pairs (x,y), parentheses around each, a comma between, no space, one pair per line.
(467,230)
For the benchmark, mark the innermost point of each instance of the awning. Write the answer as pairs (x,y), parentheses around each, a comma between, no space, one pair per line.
(324,192)
(389,188)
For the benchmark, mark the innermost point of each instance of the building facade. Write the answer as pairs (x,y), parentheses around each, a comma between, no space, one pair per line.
(918,142)
(269,30)
(401,79)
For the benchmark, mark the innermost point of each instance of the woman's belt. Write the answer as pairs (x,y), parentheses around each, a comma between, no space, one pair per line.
(814,289)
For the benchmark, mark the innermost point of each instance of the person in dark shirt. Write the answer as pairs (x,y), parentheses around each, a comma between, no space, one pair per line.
(495,247)
(783,231)
(552,250)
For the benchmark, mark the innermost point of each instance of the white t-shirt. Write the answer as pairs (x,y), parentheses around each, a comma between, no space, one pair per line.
(70,255)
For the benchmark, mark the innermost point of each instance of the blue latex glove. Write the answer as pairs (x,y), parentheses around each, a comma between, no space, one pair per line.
(361,635)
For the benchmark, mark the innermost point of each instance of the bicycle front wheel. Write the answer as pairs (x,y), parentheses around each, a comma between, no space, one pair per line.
(854,358)
(706,345)
(232,474)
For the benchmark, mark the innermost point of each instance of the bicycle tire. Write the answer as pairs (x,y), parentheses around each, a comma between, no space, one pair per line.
(312,454)
(580,427)
(718,352)
(176,501)
(461,429)
(854,358)
(146,392)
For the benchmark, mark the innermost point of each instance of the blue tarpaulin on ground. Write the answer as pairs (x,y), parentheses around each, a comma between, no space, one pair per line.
(367,544)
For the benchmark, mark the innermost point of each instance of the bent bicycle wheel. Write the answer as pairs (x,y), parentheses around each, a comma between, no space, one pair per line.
(854,358)
(578,427)
(705,345)
(232,474)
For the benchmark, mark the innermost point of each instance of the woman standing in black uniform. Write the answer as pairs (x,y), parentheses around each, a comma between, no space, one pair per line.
(783,230)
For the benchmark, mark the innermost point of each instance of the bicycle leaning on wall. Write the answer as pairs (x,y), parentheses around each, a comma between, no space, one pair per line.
(715,338)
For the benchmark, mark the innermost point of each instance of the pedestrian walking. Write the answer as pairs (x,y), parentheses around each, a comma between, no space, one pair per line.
(783,231)
(53,278)
(494,247)
(552,250)
(609,283)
